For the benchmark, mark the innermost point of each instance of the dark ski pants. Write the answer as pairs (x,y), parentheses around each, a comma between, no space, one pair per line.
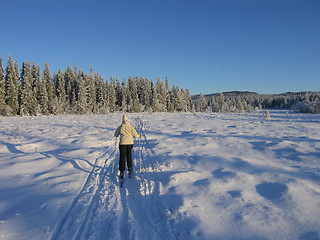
(125,153)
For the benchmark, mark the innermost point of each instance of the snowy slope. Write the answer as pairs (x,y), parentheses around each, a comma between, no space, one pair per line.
(198,176)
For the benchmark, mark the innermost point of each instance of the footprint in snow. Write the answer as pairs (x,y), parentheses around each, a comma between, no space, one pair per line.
(202,183)
(223,175)
(272,191)
(234,193)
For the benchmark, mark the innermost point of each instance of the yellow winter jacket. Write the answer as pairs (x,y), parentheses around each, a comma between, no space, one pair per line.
(126,132)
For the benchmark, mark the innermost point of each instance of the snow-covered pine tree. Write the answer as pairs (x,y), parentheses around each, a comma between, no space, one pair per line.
(246,106)
(81,94)
(112,95)
(239,105)
(221,102)
(176,99)
(183,100)
(167,96)
(60,92)
(153,97)
(315,103)
(100,94)
(213,104)
(2,91)
(187,99)
(124,96)
(70,81)
(26,95)
(47,91)
(231,105)
(118,94)
(161,96)
(106,96)
(147,95)
(36,85)
(202,103)
(12,86)
(133,90)
(141,91)
(155,100)
(44,100)
(91,92)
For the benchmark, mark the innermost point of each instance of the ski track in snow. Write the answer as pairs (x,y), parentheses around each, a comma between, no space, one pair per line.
(103,210)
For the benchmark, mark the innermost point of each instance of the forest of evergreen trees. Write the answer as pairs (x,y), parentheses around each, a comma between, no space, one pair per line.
(238,102)
(29,91)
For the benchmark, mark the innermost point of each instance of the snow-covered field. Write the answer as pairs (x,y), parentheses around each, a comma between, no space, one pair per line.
(198,176)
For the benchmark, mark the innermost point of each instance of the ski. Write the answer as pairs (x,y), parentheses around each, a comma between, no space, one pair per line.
(121,181)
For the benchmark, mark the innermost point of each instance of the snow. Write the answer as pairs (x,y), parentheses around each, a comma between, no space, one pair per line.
(197,176)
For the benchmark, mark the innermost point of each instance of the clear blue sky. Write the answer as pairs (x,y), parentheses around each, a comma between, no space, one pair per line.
(266,46)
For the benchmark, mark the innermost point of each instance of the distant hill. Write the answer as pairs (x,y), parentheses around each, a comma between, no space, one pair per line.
(242,93)
(237,93)
(231,93)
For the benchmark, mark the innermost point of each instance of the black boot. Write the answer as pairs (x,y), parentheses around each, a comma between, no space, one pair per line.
(121,175)
(130,172)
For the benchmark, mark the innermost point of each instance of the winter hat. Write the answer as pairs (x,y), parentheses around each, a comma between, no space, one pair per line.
(125,119)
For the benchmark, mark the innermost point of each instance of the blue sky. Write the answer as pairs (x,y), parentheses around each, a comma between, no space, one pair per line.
(206,46)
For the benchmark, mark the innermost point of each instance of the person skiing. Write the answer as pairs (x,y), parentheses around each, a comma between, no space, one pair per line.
(126,132)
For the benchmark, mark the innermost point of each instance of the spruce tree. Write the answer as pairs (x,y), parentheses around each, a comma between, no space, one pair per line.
(81,94)
(154,100)
(106,97)
(100,93)
(146,93)
(12,86)
(2,90)
(141,90)
(135,104)
(26,95)
(70,79)
(161,96)
(112,98)
(36,89)
(167,96)
(221,103)
(118,94)
(124,94)
(60,92)
(91,92)
(187,99)
(44,101)
(47,92)
(202,103)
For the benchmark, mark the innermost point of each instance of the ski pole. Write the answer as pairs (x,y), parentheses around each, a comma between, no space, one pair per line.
(115,154)
(140,153)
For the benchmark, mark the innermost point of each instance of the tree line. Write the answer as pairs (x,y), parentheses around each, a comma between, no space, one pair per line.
(29,91)
(238,102)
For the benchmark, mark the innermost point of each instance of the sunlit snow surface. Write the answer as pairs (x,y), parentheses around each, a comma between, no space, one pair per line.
(197,176)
